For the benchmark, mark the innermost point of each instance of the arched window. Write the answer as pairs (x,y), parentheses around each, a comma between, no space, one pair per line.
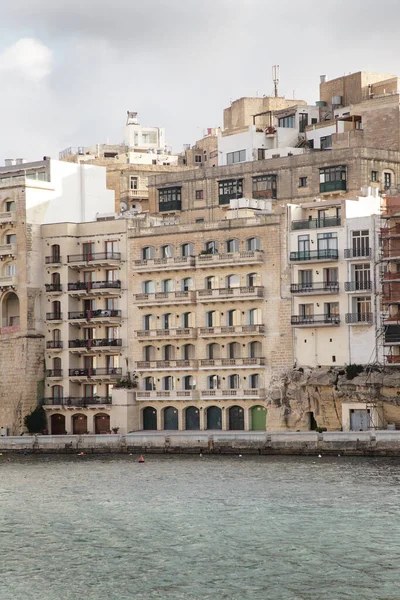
(233,382)
(253,243)
(147,252)
(149,353)
(213,382)
(57,372)
(211,318)
(146,322)
(56,309)
(166,321)
(254,381)
(57,392)
(186,320)
(234,350)
(254,316)
(232,245)
(233,317)
(10,238)
(188,383)
(253,280)
(255,350)
(10,310)
(148,287)
(187,249)
(56,335)
(168,383)
(55,279)
(232,281)
(168,352)
(167,251)
(211,247)
(213,351)
(211,282)
(55,253)
(187,352)
(167,285)
(186,284)
(149,384)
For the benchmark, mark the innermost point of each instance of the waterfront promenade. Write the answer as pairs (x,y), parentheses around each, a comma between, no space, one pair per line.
(374,442)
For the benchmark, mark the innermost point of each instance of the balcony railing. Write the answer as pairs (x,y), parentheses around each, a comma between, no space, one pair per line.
(238,393)
(393,359)
(8,281)
(54,373)
(166,297)
(93,285)
(183,332)
(94,256)
(77,401)
(93,314)
(54,345)
(357,253)
(218,259)
(161,264)
(95,372)
(358,318)
(312,288)
(325,319)
(232,293)
(314,255)
(358,286)
(105,342)
(231,330)
(7,217)
(53,260)
(53,287)
(167,364)
(232,362)
(8,249)
(316,223)
(167,395)
(54,316)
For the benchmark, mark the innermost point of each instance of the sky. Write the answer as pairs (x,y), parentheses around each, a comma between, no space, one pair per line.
(69,71)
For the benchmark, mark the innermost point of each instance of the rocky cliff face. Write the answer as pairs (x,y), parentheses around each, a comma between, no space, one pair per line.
(300,396)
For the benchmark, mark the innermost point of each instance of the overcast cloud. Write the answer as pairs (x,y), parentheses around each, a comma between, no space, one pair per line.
(69,71)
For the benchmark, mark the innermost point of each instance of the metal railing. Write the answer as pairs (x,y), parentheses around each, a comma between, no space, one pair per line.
(54,373)
(93,314)
(94,343)
(53,287)
(357,252)
(93,256)
(77,401)
(93,285)
(358,286)
(54,316)
(93,372)
(320,286)
(315,255)
(53,260)
(316,223)
(325,319)
(53,345)
(354,318)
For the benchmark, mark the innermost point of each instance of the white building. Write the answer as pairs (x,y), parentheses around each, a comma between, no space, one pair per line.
(333,248)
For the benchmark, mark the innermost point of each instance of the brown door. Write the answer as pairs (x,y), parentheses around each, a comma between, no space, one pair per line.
(102,423)
(79,424)
(57,423)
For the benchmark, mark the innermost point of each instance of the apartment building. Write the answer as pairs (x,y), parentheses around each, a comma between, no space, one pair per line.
(334,253)
(209,321)
(390,273)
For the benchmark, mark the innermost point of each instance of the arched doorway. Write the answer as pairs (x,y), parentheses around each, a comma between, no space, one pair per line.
(79,424)
(150,419)
(192,418)
(171,418)
(10,310)
(214,417)
(102,423)
(57,424)
(236,418)
(258,418)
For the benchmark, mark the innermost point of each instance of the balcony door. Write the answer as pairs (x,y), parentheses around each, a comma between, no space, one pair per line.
(362,276)
(303,245)
(88,250)
(360,242)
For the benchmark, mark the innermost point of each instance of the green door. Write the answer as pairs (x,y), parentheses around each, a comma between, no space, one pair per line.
(192,418)
(170,418)
(150,418)
(214,418)
(258,418)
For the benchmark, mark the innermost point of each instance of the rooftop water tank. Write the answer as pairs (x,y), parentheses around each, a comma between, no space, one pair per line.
(337,100)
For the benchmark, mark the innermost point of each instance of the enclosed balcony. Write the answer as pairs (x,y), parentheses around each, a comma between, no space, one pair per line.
(162,365)
(183,332)
(165,298)
(229,294)
(360,318)
(240,394)
(168,395)
(98,316)
(324,320)
(78,401)
(246,257)
(314,255)
(99,259)
(173,263)
(309,289)
(316,223)
(100,345)
(82,288)
(233,330)
(358,286)
(227,363)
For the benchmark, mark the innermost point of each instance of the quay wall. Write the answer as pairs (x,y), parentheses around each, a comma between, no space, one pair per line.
(370,443)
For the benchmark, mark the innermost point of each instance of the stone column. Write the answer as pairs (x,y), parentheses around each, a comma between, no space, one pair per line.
(180,419)
(202,418)
(159,419)
(224,418)
(68,422)
(246,418)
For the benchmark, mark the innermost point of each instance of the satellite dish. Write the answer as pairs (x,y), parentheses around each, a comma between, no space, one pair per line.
(123,206)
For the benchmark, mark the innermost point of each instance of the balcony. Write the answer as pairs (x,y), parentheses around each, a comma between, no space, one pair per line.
(52,345)
(391,276)
(98,316)
(167,395)
(100,345)
(391,253)
(389,232)
(100,259)
(54,261)
(82,288)
(257,393)
(162,365)
(392,335)
(320,287)
(54,288)
(393,359)
(366,318)
(94,373)
(55,317)
(316,223)
(246,257)
(54,373)
(140,193)
(358,286)
(231,330)
(313,255)
(183,332)
(8,217)
(333,186)
(315,320)
(164,264)
(354,253)
(211,363)
(80,402)
(8,250)
(170,206)
(165,298)
(223,294)
(10,281)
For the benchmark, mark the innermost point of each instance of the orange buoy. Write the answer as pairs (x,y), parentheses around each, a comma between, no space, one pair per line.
(141,459)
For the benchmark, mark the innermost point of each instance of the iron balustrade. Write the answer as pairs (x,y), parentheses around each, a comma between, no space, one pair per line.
(53,260)
(94,343)
(53,287)
(93,285)
(54,316)
(358,286)
(316,223)
(77,401)
(315,255)
(93,372)
(357,252)
(54,373)
(327,319)
(93,256)
(320,286)
(54,344)
(93,314)
(362,317)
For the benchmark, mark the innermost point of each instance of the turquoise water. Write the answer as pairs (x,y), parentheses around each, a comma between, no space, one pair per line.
(274,528)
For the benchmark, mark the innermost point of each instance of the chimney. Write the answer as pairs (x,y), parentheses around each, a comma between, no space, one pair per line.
(20,161)
(322,78)
(9,162)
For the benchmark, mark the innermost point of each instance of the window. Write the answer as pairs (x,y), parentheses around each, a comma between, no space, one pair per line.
(303,244)
(168,352)
(186,318)
(187,352)
(112,275)
(168,383)
(362,307)
(170,199)
(303,182)
(186,284)
(211,282)
(252,280)
(303,122)
(112,333)
(199,194)
(360,243)
(332,179)
(314,121)
(254,381)
(56,308)
(374,175)
(331,309)
(362,276)
(310,144)
(387,180)
(235,157)
(197,158)
(11,238)
(199,221)
(167,285)
(87,250)
(147,322)
(264,186)
(149,383)
(233,382)
(211,318)
(213,382)
(167,251)
(331,275)
(326,142)
(55,253)
(229,190)
(166,320)
(287,121)
(148,287)
(233,281)
(327,241)
(234,350)
(147,253)
(253,316)
(261,154)
(232,245)
(213,351)
(11,270)
(255,350)
(211,247)
(253,244)
(10,206)
(305,278)
(133,183)
(232,318)
(306,310)
(187,250)
(57,392)
(188,383)
(111,303)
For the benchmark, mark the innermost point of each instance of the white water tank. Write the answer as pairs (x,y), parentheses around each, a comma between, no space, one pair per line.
(337,100)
